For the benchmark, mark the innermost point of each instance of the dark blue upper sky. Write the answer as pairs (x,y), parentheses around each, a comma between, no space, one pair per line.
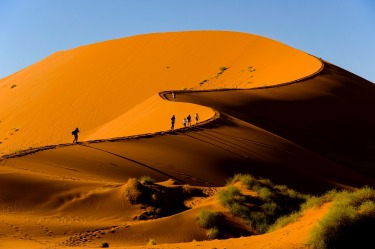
(339,31)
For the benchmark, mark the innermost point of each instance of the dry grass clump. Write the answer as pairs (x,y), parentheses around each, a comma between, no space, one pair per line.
(151,242)
(272,202)
(208,219)
(212,221)
(191,191)
(132,191)
(213,233)
(349,223)
(157,200)
(147,180)
(104,245)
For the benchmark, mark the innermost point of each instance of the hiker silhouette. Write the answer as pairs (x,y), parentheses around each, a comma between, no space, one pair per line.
(75,134)
(188,120)
(173,118)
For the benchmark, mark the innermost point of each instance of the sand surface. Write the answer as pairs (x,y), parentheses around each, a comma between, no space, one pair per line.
(274,112)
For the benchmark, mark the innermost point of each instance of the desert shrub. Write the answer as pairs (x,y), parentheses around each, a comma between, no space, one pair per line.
(246,179)
(367,209)
(147,180)
(208,219)
(223,68)
(151,242)
(132,191)
(265,194)
(267,182)
(13,86)
(104,245)
(249,181)
(349,222)
(270,208)
(187,189)
(312,201)
(239,210)
(272,202)
(190,191)
(258,221)
(213,233)
(230,195)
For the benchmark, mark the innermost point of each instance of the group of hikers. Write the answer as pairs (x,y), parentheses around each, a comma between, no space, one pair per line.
(186,121)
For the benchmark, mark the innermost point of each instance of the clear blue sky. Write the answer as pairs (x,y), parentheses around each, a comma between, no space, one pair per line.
(340,31)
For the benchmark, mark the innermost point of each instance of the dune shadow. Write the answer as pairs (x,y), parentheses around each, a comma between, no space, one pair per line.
(136,162)
(215,145)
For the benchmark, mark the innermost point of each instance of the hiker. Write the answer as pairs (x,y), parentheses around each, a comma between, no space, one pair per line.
(75,134)
(173,96)
(184,122)
(189,120)
(196,118)
(173,118)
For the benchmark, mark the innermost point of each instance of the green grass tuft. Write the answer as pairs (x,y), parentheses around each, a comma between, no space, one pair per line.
(208,219)
(151,242)
(147,180)
(349,223)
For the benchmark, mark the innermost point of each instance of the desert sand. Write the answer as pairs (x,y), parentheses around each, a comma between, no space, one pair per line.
(265,108)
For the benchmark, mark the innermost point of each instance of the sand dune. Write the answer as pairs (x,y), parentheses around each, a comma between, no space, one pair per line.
(95,86)
(266,109)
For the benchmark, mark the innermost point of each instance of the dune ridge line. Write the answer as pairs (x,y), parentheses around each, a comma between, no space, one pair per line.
(163,95)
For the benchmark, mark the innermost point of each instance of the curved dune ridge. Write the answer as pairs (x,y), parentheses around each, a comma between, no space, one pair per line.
(100,87)
(266,109)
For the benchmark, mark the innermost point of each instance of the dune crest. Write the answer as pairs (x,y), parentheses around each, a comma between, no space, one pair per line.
(99,87)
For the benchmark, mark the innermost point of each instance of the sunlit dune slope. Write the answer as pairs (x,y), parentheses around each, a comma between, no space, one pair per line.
(100,87)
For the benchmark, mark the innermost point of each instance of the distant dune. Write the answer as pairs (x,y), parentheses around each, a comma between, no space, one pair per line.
(265,109)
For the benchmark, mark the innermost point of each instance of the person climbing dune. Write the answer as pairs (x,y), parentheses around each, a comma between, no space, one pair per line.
(173,119)
(75,134)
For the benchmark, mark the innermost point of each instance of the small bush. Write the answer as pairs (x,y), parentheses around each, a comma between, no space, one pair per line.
(132,191)
(349,223)
(259,221)
(246,179)
(230,195)
(265,194)
(13,86)
(104,245)
(272,202)
(312,201)
(147,180)
(208,219)
(223,68)
(239,210)
(213,233)
(151,242)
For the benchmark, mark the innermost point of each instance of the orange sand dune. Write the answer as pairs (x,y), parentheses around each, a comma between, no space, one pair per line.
(297,122)
(99,87)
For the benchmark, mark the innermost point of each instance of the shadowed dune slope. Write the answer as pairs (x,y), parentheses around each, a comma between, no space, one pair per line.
(329,114)
(100,87)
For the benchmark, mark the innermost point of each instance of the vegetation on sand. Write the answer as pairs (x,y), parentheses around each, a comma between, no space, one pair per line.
(349,223)
(261,211)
